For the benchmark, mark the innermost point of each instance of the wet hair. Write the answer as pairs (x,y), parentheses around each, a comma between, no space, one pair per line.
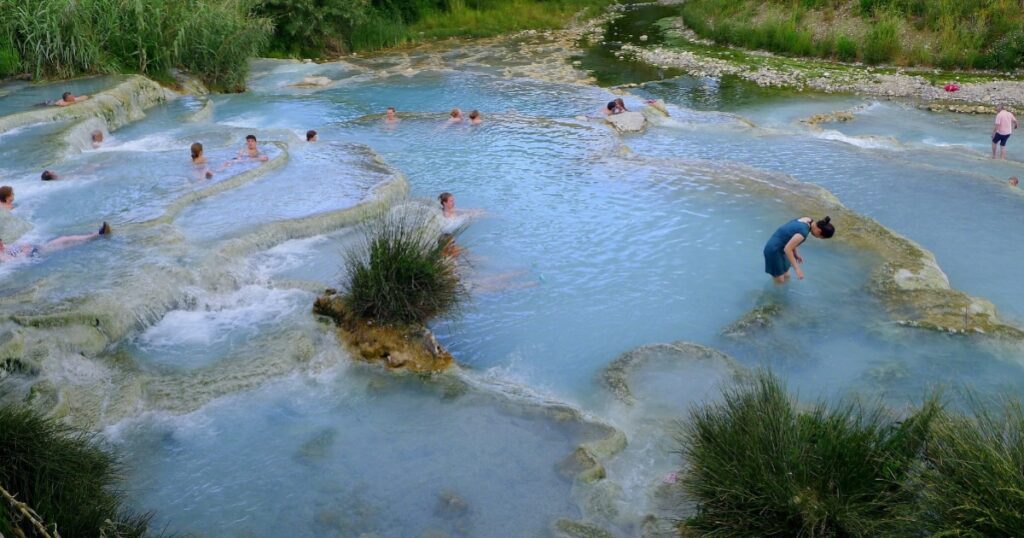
(826,228)
(5,193)
(310,135)
(474,114)
(620,103)
(48,175)
(1000,106)
(197,150)
(444,197)
(250,137)
(1014,181)
(64,96)
(455,113)
(97,136)
(391,108)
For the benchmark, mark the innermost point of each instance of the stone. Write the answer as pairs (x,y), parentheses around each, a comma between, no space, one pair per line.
(627,122)
(313,81)
(578,529)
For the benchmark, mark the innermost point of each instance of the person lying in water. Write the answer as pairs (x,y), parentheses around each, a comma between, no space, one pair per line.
(26,250)
(69,98)
(199,160)
(618,106)
(251,150)
(781,250)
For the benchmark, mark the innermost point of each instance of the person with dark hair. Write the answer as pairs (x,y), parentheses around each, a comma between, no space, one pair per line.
(1014,181)
(447,200)
(49,175)
(618,106)
(7,197)
(199,160)
(69,98)
(455,116)
(311,136)
(391,115)
(27,250)
(251,150)
(781,250)
(97,139)
(475,118)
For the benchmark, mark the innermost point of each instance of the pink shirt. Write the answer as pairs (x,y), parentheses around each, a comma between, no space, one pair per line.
(1004,122)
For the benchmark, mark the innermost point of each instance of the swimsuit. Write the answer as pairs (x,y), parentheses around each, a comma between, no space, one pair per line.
(775,261)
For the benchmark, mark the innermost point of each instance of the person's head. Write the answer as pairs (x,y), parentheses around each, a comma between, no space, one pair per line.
(97,137)
(447,200)
(67,96)
(474,115)
(620,103)
(197,150)
(49,175)
(390,113)
(823,228)
(311,136)
(999,107)
(1014,181)
(455,114)
(250,141)
(7,195)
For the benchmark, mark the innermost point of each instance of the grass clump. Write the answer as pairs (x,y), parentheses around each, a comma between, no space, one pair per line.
(761,466)
(404,273)
(973,478)
(64,476)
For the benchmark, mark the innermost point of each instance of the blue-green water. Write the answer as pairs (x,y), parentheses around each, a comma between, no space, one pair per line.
(583,251)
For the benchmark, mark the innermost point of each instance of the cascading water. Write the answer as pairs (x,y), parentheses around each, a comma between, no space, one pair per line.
(187,336)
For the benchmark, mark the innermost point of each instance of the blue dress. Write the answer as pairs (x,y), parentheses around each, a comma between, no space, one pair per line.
(775,261)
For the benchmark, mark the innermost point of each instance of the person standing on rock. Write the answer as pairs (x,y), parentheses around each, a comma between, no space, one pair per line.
(1005,123)
(780,252)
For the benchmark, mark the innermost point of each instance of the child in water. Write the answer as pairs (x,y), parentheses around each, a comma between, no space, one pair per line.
(780,253)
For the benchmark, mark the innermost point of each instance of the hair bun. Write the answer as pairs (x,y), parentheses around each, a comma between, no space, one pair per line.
(828,220)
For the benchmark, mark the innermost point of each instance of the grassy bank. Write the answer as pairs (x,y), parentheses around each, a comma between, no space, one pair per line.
(985,34)
(61,475)
(759,464)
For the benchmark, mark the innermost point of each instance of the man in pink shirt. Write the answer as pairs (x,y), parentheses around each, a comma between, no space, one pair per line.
(1006,122)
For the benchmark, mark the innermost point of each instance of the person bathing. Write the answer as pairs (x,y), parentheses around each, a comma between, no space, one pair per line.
(780,253)
(69,98)
(1005,123)
(26,250)
(618,106)
(252,150)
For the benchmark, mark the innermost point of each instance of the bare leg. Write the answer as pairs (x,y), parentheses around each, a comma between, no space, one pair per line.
(67,241)
(1002,152)
(994,150)
(781,279)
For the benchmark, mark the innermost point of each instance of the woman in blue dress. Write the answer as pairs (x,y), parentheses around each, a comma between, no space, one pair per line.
(780,252)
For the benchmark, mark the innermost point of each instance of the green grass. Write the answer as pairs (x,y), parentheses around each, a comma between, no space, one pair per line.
(64,476)
(403,274)
(463,18)
(759,465)
(930,33)
(64,38)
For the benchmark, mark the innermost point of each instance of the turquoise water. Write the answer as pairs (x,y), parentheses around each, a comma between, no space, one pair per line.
(587,245)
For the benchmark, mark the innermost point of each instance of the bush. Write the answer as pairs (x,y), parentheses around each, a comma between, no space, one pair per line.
(846,49)
(882,42)
(314,26)
(404,274)
(758,466)
(973,482)
(64,476)
(1007,53)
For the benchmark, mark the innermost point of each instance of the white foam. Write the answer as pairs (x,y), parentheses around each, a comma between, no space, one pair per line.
(866,142)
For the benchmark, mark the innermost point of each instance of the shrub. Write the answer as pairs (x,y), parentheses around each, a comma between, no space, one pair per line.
(759,466)
(64,476)
(1008,52)
(314,26)
(846,49)
(404,274)
(973,481)
(882,42)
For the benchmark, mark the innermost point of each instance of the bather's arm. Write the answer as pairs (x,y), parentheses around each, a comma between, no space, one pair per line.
(791,254)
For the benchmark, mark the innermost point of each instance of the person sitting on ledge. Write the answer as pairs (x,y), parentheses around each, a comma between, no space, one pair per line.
(618,106)
(311,136)
(69,98)
(251,150)
(26,250)
(780,252)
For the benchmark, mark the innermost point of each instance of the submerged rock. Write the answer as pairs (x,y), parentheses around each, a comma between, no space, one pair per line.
(407,347)
(627,122)
(761,317)
(578,529)
(831,117)
(313,82)
(616,377)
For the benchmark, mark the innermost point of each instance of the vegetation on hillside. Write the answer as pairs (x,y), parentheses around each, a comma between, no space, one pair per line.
(938,33)
(61,475)
(759,464)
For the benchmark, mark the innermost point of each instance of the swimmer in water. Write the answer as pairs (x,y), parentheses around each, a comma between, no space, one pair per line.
(618,106)
(781,250)
(251,150)
(7,197)
(69,98)
(199,160)
(475,118)
(49,175)
(26,250)
(455,116)
(391,116)
(1014,182)
(97,139)
(311,136)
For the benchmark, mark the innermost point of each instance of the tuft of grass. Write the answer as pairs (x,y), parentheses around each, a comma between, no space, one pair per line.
(64,476)
(404,273)
(973,478)
(760,466)
(882,42)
